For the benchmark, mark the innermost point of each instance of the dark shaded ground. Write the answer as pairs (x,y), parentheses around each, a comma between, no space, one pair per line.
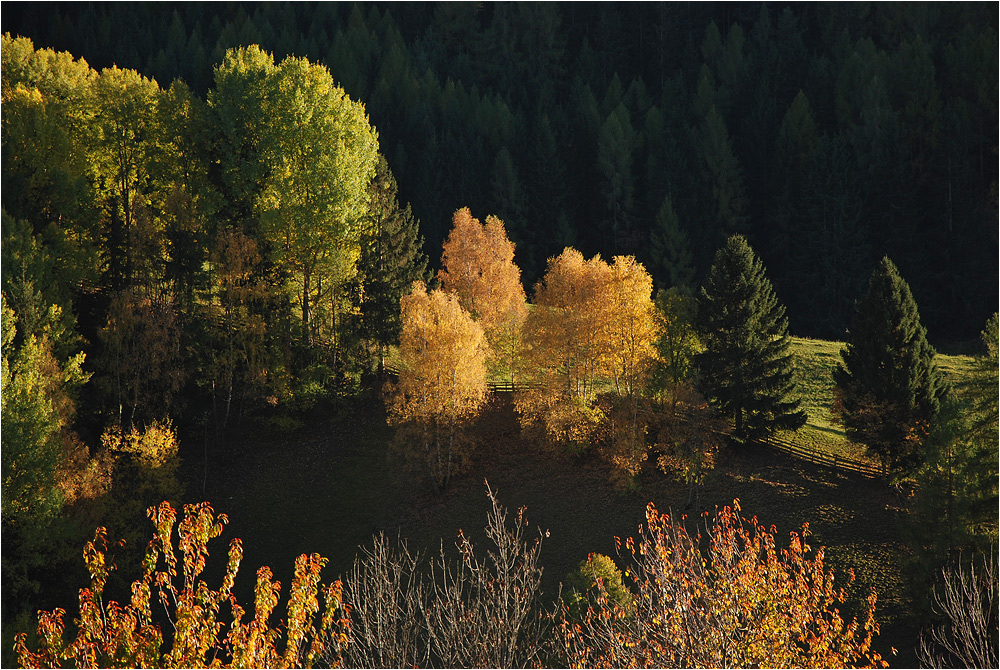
(331,486)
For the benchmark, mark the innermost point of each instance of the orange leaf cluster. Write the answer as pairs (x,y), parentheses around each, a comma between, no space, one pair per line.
(477,265)
(592,329)
(593,321)
(739,603)
(125,635)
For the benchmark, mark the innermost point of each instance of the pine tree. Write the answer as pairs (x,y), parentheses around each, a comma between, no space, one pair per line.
(670,247)
(888,389)
(746,366)
(391,260)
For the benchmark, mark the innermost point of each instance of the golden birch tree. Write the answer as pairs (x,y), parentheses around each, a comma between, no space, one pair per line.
(630,329)
(442,381)
(591,331)
(477,265)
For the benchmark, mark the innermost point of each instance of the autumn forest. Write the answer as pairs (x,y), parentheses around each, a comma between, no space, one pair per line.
(515,334)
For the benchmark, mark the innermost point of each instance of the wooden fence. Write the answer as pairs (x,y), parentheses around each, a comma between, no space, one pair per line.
(784,446)
(823,458)
(493,387)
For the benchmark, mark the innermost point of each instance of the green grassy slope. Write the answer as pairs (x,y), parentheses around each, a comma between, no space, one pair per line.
(815,361)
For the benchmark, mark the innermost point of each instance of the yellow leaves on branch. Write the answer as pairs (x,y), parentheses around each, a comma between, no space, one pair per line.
(741,602)
(592,330)
(444,359)
(442,381)
(594,321)
(153,447)
(477,266)
(125,635)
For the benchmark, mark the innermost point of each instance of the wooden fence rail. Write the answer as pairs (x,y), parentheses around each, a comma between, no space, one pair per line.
(822,458)
(494,387)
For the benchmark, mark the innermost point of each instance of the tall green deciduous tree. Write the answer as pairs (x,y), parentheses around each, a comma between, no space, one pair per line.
(47,116)
(391,260)
(125,135)
(746,366)
(189,200)
(888,388)
(238,112)
(314,205)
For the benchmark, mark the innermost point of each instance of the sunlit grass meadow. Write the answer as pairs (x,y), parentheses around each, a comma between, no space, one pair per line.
(815,361)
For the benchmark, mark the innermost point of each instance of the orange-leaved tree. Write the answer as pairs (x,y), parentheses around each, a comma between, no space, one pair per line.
(477,265)
(728,599)
(126,635)
(627,337)
(562,349)
(592,329)
(442,381)
(631,330)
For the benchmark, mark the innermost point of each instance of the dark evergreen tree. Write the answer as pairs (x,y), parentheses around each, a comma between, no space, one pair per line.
(888,388)
(668,243)
(746,367)
(724,174)
(955,508)
(391,260)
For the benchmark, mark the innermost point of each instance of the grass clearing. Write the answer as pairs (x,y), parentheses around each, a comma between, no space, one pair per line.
(332,485)
(815,361)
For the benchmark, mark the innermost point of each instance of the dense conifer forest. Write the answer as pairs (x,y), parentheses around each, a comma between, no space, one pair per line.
(352,259)
(830,134)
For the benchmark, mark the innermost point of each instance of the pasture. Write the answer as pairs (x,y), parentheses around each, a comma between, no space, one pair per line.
(330,486)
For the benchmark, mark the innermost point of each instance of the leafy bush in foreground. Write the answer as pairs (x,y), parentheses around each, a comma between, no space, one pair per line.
(726,598)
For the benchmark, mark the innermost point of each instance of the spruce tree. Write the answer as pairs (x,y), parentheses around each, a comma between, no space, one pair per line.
(391,261)
(670,248)
(888,388)
(746,367)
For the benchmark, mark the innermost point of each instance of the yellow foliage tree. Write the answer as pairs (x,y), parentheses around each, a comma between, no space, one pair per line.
(732,598)
(442,381)
(561,329)
(592,328)
(477,265)
(630,332)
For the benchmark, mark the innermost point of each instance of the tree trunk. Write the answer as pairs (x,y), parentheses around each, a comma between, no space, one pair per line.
(305,307)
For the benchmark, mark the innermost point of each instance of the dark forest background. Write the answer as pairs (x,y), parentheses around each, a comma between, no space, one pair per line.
(829,134)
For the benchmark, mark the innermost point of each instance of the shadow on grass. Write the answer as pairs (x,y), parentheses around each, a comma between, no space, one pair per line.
(331,486)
